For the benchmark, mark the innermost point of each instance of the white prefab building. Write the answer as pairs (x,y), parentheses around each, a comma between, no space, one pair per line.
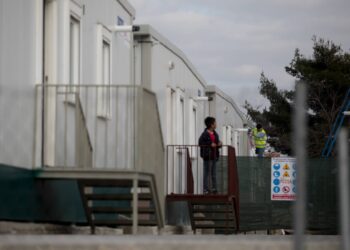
(63,45)
(84,96)
(232,124)
(182,93)
(184,100)
(164,69)
(69,103)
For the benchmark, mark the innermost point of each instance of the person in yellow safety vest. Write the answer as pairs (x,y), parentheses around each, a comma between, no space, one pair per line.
(260,138)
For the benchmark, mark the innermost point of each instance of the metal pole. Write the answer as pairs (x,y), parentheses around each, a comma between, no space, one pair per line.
(300,130)
(344,188)
(167,170)
(134,205)
(43,99)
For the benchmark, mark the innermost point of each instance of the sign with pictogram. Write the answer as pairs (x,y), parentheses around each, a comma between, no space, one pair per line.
(286,175)
(283,175)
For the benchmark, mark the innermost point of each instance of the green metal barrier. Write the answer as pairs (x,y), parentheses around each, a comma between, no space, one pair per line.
(258,212)
(25,198)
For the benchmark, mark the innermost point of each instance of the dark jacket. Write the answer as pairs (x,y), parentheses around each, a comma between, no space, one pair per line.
(207,152)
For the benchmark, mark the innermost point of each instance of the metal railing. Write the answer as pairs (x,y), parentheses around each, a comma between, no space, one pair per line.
(336,127)
(83,142)
(113,127)
(185,170)
(109,121)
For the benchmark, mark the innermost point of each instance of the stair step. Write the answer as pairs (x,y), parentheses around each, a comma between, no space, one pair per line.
(123,223)
(211,203)
(122,210)
(117,196)
(214,226)
(207,210)
(212,219)
(112,183)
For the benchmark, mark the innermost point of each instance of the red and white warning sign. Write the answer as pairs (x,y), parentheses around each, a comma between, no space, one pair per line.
(283,179)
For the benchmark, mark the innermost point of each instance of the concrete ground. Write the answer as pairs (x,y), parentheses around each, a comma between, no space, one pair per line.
(151,242)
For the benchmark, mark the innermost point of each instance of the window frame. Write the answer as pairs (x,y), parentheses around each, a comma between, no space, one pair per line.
(104,37)
(76,58)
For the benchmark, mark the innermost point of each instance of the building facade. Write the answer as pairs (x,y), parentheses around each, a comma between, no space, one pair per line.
(77,92)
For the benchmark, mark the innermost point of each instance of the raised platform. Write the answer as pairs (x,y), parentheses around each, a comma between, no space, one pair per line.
(79,174)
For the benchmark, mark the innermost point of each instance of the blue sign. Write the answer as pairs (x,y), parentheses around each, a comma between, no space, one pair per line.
(120,21)
(294,174)
(276,182)
(276,174)
(276,189)
(276,166)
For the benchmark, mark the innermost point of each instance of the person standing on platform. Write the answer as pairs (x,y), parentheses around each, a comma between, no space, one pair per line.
(260,139)
(209,143)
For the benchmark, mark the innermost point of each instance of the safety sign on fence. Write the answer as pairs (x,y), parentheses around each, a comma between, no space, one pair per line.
(283,179)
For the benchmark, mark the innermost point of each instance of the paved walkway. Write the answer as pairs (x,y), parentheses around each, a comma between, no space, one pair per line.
(182,242)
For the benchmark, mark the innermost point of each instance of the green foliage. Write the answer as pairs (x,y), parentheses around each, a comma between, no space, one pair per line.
(327,75)
(275,120)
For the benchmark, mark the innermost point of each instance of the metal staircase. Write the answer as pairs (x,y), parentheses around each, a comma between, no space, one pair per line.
(111,203)
(214,212)
(219,212)
(332,138)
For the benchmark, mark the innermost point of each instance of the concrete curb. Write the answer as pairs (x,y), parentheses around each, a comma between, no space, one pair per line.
(183,242)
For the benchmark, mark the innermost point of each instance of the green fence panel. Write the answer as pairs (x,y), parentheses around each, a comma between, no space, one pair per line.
(258,212)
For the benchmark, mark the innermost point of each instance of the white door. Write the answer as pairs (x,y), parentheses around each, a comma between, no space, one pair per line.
(181,141)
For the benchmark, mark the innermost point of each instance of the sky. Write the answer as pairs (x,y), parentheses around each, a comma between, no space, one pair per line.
(231,42)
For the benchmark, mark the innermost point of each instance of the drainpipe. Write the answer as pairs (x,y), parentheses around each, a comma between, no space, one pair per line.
(43,91)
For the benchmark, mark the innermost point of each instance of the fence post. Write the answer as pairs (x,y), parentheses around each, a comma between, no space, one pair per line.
(299,124)
(344,187)
(189,176)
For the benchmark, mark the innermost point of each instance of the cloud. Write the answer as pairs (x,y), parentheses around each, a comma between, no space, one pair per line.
(231,41)
(247,70)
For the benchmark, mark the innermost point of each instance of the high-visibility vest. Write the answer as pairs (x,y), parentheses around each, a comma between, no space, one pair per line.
(260,138)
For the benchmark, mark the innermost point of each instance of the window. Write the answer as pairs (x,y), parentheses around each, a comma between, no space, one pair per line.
(171,115)
(193,127)
(104,64)
(74,53)
(182,122)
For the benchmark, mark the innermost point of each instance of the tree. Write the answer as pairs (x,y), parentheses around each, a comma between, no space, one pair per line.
(275,119)
(327,76)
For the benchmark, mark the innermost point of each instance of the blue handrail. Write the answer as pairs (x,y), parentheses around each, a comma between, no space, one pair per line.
(328,148)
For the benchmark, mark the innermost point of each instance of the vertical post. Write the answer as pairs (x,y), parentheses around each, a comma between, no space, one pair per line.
(44,81)
(300,130)
(78,128)
(134,206)
(167,170)
(66,100)
(198,176)
(173,166)
(344,188)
